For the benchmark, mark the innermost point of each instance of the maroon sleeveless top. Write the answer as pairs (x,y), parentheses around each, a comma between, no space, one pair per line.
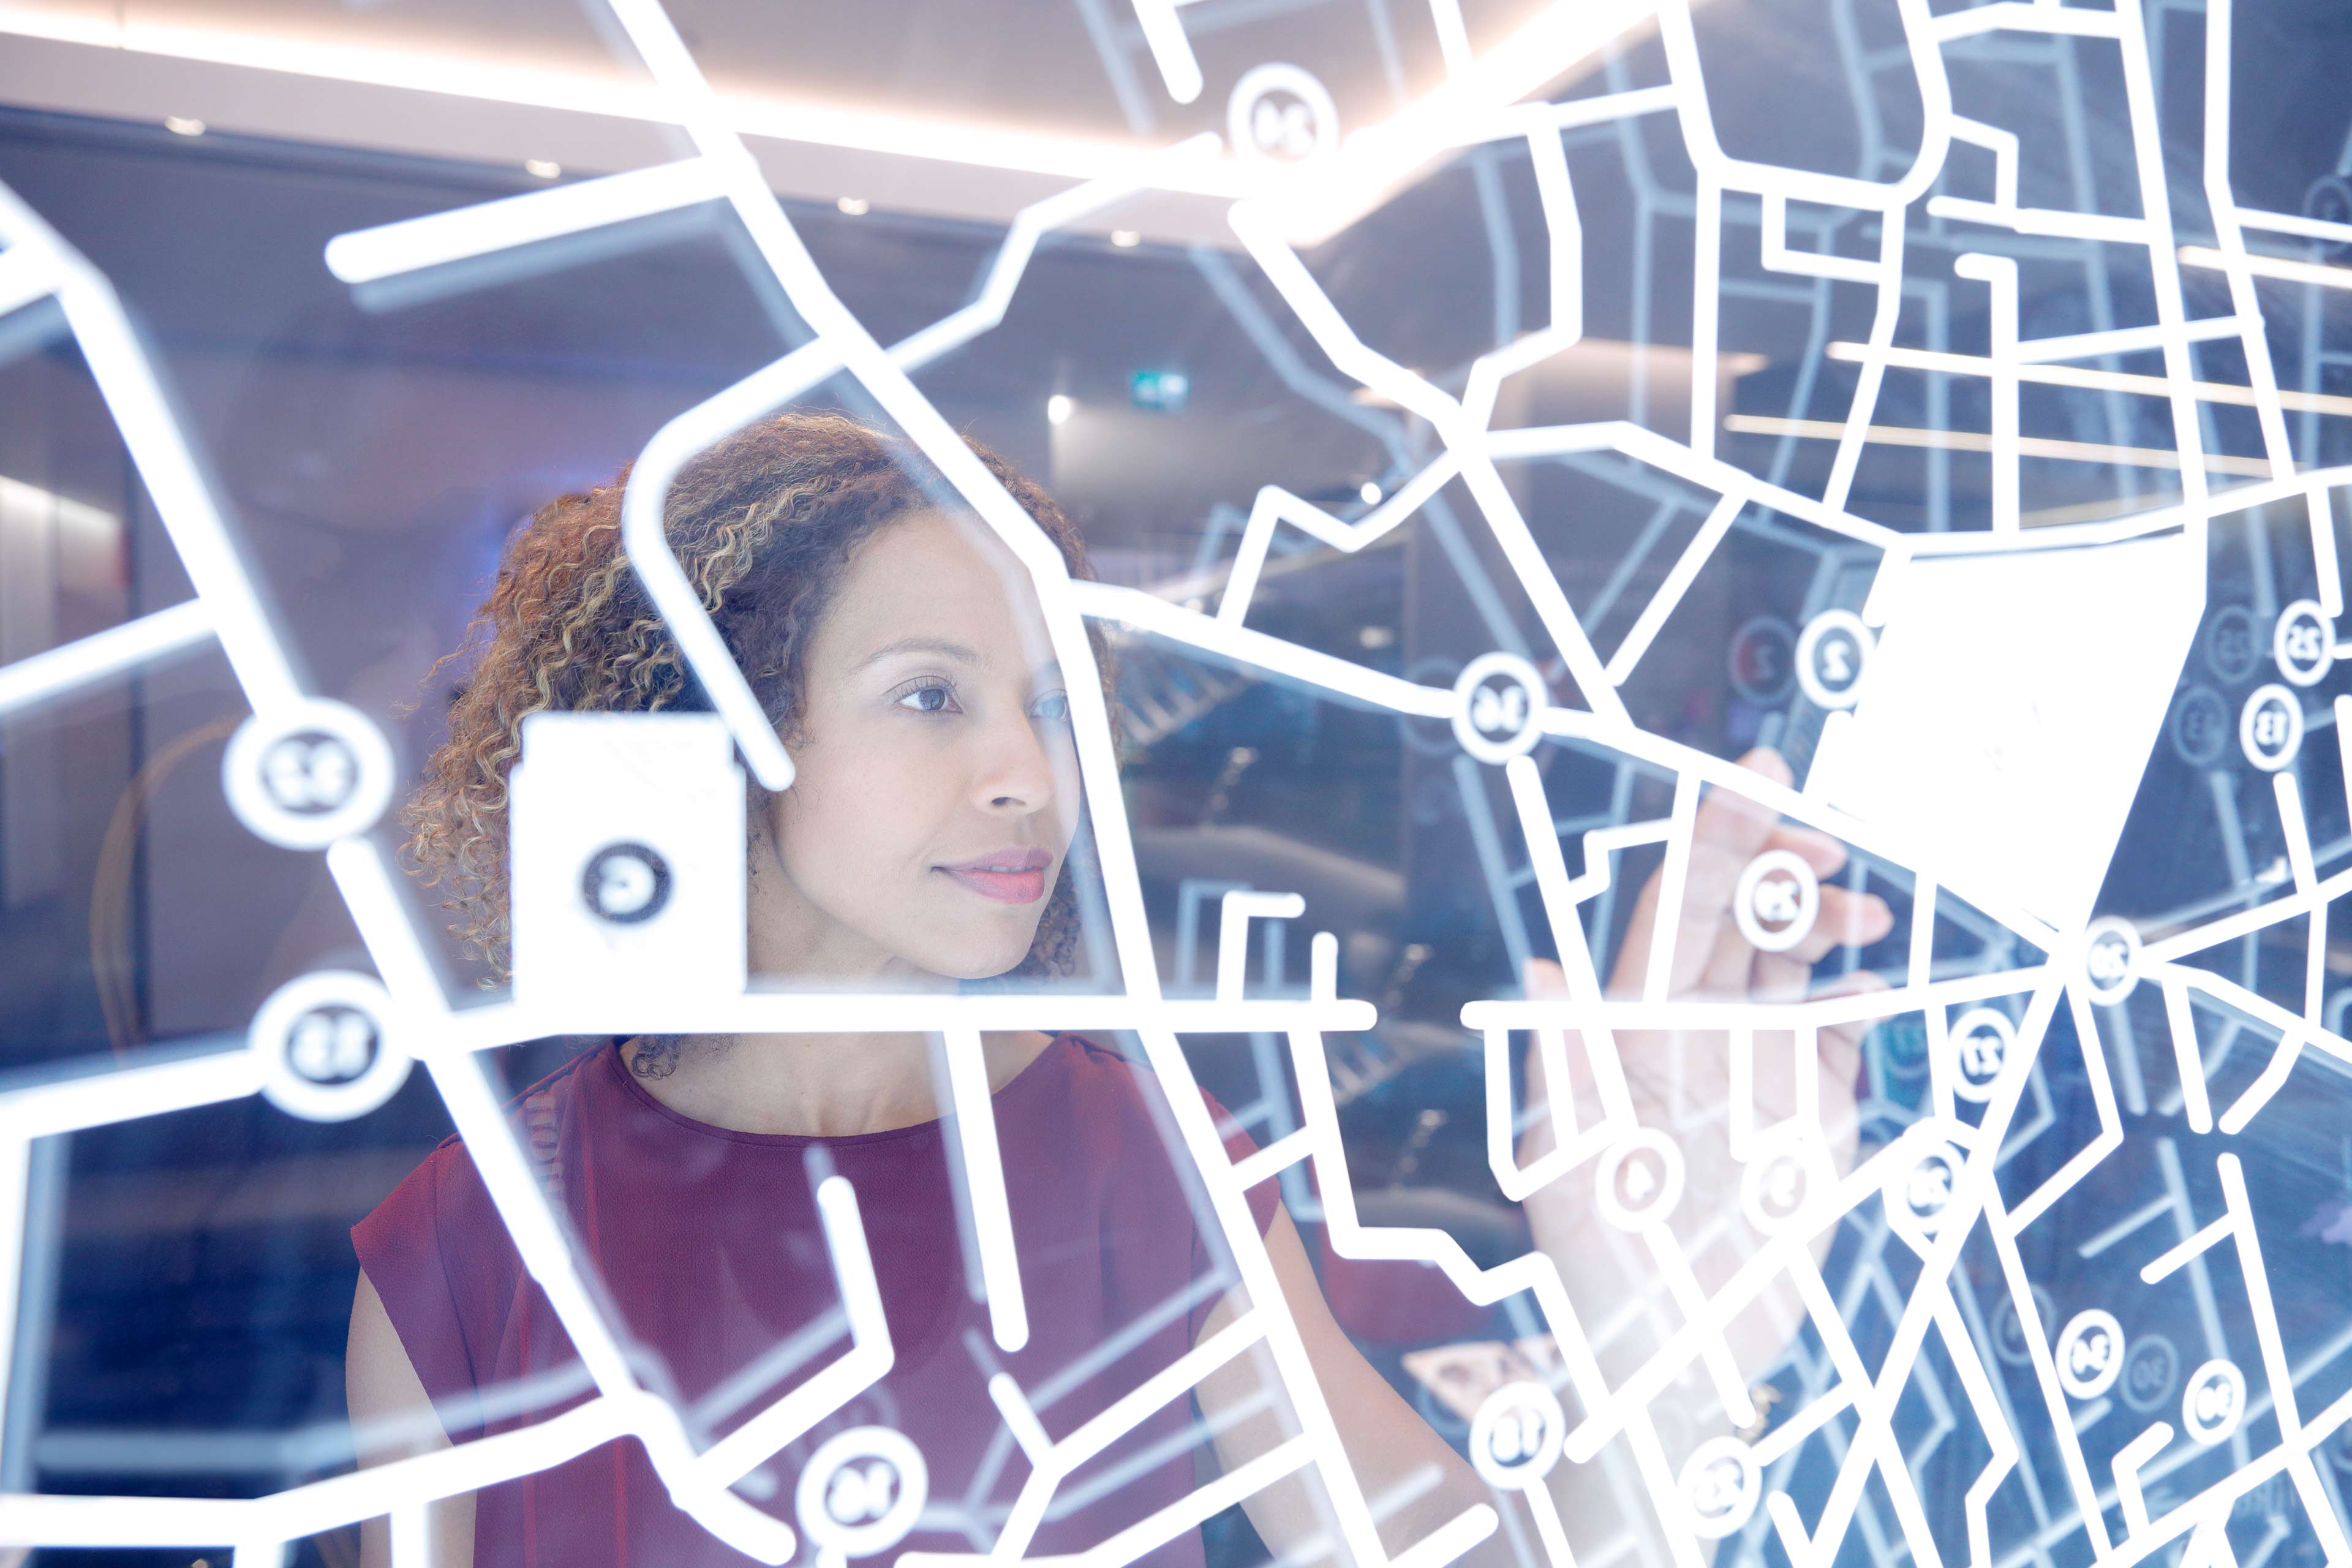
(707,1246)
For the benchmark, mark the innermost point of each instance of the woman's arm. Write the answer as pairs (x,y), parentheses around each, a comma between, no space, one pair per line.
(393,1418)
(1391,1448)
(1413,1479)
(1681,1081)
(1386,1441)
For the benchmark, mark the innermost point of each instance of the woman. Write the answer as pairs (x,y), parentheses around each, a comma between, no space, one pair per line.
(900,651)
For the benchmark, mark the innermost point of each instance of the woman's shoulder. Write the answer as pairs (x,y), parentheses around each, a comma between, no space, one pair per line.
(446,1196)
(1126,1101)
(1100,1078)
(1118,1110)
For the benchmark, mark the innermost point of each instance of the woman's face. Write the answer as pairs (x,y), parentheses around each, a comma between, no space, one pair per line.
(936,787)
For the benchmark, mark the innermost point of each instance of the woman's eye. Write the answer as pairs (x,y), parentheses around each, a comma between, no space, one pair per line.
(1055,709)
(928,699)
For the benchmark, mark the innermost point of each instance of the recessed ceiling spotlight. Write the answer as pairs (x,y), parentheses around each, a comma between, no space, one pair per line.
(1059,408)
(855,206)
(1370,492)
(541,168)
(184,125)
(1125,239)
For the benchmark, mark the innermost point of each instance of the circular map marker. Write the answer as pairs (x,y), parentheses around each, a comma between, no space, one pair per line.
(1982,1040)
(2269,728)
(2150,1372)
(1787,1169)
(306,773)
(2303,644)
(2232,650)
(1719,1486)
(2213,1402)
(1281,114)
(2090,1353)
(1776,900)
(2109,957)
(1763,661)
(327,1051)
(861,1492)
(2199,727)
(1639,1179)
(1515,1436)
(1832,656)
(1499,714)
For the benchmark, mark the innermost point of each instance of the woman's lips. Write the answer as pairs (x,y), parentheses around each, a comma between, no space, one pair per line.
(1005,887)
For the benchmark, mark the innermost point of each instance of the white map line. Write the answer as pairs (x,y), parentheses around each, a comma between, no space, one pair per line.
(721,171)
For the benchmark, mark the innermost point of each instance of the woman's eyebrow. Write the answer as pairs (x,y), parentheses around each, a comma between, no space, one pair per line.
(939,646)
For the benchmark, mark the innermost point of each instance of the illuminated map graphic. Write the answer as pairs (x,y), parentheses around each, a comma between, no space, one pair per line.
(1987,687)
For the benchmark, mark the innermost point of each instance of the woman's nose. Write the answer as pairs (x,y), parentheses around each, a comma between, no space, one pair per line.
(1017,774)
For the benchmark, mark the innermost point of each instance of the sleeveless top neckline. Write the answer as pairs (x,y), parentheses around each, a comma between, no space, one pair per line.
(1040,1067)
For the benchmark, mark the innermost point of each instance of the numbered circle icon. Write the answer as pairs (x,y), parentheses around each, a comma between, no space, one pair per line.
(861,1492)
(1786,1171)
(1500,705)
(1514,1438)
(1831,658)
(2199,727)
(2214,1402)
(2231,647)
(2269,728)
(2150,1370)
(2090,1353)
(625,883)
(1719,1486)
(1764,660)
(1982,1040)
(2303,644)
(1921,1191)
(1640,1180)
(2110,960)
(1776,900)
(1281,114)
(326,1047)
(302,774)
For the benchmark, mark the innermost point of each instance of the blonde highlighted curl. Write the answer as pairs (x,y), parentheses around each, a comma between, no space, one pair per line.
(765,523)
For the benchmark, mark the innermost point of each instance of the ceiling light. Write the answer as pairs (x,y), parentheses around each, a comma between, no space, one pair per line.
(1125,239)
(1370,492)
(1376,637)
(541,168)
(184,125)
(855,206)
(1059,408)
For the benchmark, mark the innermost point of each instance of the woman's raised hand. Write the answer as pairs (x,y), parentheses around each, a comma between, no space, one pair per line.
(1680,1079)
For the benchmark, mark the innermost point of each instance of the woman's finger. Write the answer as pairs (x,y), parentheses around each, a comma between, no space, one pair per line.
(1730,830)
(1844,918)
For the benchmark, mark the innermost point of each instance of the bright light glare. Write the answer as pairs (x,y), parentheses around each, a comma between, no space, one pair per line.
(1371,491)
(1125,239)
(184,125)
(1059,408)
(855,206)
(541,168)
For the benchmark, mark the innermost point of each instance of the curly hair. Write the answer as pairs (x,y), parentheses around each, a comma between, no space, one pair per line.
(764,523)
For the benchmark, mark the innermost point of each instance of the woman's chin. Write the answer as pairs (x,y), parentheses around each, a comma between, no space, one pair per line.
(981,958)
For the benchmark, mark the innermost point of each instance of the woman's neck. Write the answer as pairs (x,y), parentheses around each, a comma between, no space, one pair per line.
(821,1086)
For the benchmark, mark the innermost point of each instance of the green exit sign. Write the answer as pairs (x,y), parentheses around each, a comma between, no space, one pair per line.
(1159,391)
